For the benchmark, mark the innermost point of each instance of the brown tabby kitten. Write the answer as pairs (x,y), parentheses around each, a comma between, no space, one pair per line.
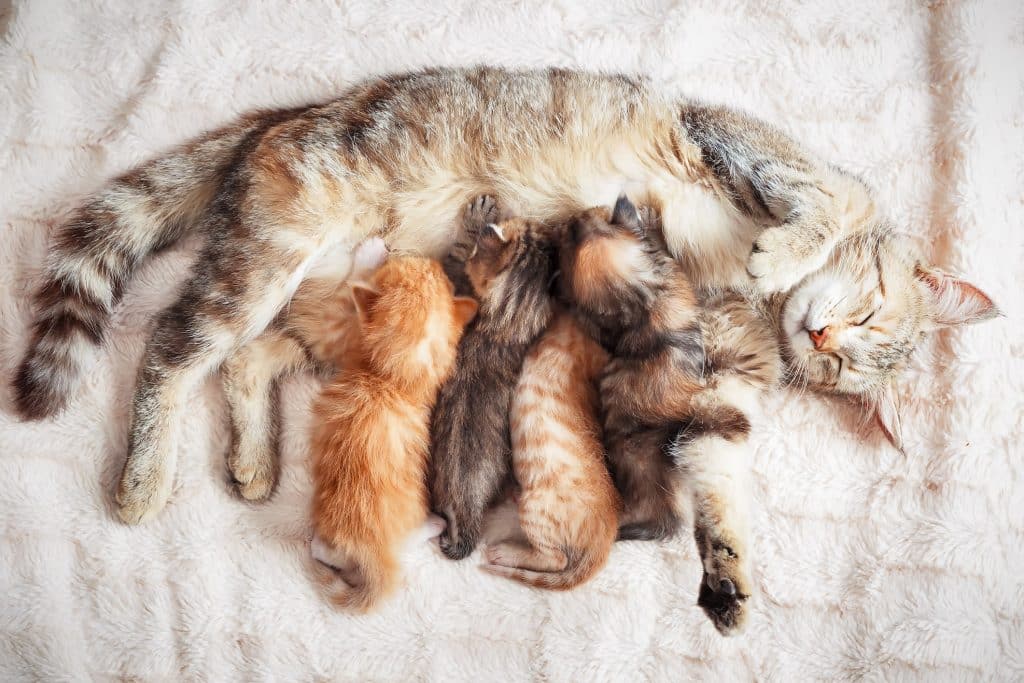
(568,505)
(664,390)
(509,270)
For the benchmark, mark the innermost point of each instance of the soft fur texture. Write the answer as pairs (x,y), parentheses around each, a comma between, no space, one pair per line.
(370,435)
(869,562)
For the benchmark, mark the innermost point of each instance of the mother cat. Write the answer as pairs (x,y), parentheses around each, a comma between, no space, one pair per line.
(741,205)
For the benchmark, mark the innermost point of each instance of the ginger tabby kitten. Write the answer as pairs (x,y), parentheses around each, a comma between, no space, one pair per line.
(371,435)
(568,505)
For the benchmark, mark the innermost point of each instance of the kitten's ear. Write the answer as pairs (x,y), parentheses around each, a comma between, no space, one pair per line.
(492,236)
(465,310)
(887,416)
(952,301)
(363,296)
(626,214)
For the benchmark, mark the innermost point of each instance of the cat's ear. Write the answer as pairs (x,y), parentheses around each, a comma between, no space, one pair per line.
(887,415)
(952,301)
(465,310)
(492,236)
(363,296)
(626,215)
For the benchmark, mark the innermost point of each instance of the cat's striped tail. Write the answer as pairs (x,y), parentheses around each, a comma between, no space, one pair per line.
(95,254)
(582,564)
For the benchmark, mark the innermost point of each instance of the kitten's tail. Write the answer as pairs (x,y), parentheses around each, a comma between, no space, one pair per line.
(95,254)
(357,577)
(582,564)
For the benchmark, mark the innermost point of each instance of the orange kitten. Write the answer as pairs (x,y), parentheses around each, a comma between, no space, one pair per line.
(568,506)
(371,436)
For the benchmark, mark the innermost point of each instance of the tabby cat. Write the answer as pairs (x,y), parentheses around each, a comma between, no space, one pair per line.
(370,435)
(742,205)
(509,269)
(568,505)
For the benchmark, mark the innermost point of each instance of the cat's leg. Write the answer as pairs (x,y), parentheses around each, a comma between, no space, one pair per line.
(713,455)
(232,297)
(250,377)
(809,205)
(522,556)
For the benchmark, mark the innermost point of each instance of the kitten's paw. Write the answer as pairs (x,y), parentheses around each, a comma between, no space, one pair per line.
(481,211)
(783,256)
(434,526)
(141,494)
(455,548)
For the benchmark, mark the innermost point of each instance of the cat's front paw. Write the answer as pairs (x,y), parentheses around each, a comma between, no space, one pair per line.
(724,604)
(253,471)
(725,590)
(783,256)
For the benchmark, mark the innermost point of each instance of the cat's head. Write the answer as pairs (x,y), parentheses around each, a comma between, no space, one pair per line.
(850,327)
(510,270)
(610,269)
(410,320)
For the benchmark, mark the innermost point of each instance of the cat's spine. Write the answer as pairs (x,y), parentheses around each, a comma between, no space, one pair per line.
(97,251)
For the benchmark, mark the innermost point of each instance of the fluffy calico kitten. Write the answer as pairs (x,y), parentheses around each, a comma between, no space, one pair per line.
(370,438)
(635,300)
(568,506)
(665,390)
(509,267)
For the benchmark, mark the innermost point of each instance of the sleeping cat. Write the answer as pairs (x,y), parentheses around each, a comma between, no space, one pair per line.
(742,205)
(568,505)
(370,436)
(508,265)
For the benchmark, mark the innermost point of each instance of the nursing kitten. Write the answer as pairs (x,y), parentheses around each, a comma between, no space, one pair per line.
(316,332)
(669,391)
(509,266)
(568,505)
(370,437)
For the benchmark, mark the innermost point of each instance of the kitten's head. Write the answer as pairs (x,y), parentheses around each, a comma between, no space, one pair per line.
(510,270)
(411,322)
(610,269)
(851,327)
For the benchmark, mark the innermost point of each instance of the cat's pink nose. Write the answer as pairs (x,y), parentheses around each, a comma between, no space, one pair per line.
(819,337)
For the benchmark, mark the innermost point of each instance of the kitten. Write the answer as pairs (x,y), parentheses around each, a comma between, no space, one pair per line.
(635,300)
(568,506)
(370,437)
(667,391)
(509,266)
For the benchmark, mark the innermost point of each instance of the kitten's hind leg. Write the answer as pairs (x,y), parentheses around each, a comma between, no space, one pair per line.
(647,481)
(233,298)
(250,377)
(524,556)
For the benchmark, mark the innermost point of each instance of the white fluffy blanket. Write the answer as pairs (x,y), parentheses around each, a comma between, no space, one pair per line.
(869,564)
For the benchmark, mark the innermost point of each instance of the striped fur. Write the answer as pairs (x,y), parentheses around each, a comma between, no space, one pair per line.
(568,505)
(398,157)
(509,270)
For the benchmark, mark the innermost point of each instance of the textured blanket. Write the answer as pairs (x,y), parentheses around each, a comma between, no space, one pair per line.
(868,563)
